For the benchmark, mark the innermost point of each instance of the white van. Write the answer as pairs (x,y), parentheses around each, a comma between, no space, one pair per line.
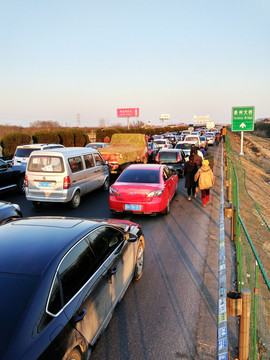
(23,152)
(64,175)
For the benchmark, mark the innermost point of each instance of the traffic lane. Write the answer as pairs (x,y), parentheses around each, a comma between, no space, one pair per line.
(158,316)
(93,205)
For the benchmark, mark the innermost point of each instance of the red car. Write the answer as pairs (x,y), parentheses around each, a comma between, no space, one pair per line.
(144,189)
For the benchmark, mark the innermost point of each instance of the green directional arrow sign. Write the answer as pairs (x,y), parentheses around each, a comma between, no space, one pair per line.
(243,118)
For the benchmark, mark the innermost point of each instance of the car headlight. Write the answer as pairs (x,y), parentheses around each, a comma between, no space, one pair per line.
(155,193)
(113,191)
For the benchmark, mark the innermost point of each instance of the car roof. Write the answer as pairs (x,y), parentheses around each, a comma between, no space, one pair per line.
(29,245)
(68,151)
(144,166)
(186,142)
(169,150)
(37,145)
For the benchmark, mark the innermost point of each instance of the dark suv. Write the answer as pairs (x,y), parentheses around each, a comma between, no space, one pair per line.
(12,177)
(173,158)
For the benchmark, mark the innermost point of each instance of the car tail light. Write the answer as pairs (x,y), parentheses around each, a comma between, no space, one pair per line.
(113,191)
(178,158)
(157,157)
(66,182)
(13,159)
(155,193)
(165,145)
(26,181)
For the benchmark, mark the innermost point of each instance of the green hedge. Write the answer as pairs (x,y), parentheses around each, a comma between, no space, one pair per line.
(46,137)
(10,142)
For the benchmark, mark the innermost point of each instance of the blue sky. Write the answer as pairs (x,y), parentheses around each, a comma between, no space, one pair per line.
(60,58)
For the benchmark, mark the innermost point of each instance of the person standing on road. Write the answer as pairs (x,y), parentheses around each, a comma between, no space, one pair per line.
(190,169)
(206,181)
(217,140)
(223,133)
(198,160)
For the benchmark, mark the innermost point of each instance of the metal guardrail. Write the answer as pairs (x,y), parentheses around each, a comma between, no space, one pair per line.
(222,338)
(252,235)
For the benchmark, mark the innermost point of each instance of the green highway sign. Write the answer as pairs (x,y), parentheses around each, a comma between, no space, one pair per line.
(243,118)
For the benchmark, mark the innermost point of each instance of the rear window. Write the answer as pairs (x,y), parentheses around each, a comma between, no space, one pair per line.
(183,146)
(160,142)
(140,176)
(25,152)
(167,156)
(192,138)
(46,164)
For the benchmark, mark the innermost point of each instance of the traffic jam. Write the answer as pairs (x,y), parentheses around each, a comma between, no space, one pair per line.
(58,305)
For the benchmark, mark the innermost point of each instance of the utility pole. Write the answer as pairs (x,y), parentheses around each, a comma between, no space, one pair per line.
(78,119)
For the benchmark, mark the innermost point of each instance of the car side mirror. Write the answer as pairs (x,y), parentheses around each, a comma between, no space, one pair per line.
(131,237)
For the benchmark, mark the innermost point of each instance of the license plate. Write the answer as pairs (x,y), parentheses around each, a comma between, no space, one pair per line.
(47,185)
(132,207)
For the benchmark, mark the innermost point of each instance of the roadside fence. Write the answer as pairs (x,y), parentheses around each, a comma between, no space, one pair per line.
(252,242)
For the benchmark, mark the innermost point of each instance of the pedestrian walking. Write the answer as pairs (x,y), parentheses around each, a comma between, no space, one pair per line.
(190,169)
(206,179)
(217,140)
(198,160)
(202,150)
(223,133)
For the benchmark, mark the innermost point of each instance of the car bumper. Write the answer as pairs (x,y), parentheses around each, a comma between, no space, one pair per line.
(150,206)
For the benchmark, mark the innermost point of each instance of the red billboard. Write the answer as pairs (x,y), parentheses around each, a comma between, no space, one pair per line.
(129,112)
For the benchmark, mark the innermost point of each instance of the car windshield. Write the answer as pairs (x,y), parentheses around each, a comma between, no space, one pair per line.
(46,164)
(167,156)
(25,152)
(183,146)
(13,301)
(140,176)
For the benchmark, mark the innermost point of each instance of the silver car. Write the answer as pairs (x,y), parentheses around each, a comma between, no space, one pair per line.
(64,175)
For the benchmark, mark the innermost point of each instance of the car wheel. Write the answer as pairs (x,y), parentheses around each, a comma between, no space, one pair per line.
(76,200)
(21,185)
(74,355)
(106,184)
(139,263)
(167,210)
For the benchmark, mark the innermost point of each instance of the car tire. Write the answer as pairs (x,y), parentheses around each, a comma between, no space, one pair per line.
(21,185)
(74,355)
(139,263)
(76,200)
(106,184)
(167,210)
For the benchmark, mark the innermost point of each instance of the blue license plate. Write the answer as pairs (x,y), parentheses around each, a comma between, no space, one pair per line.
(47,185)
(132,207)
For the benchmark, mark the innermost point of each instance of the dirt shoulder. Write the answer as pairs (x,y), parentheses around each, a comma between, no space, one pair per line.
(256,161)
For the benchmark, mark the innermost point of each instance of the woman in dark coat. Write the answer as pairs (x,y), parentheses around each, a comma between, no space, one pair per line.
(190,169)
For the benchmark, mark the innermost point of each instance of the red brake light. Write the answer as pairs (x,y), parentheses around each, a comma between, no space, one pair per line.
(157,157)
(13,160)
(165,145)
(66,182)
(26,181)
(178,158)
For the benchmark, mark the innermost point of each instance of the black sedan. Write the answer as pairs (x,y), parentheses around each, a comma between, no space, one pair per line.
(9,212)
(11,177)
(61,278)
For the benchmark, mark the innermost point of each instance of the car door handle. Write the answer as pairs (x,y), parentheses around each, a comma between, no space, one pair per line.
(81,315)
(97,171)
(114,270)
